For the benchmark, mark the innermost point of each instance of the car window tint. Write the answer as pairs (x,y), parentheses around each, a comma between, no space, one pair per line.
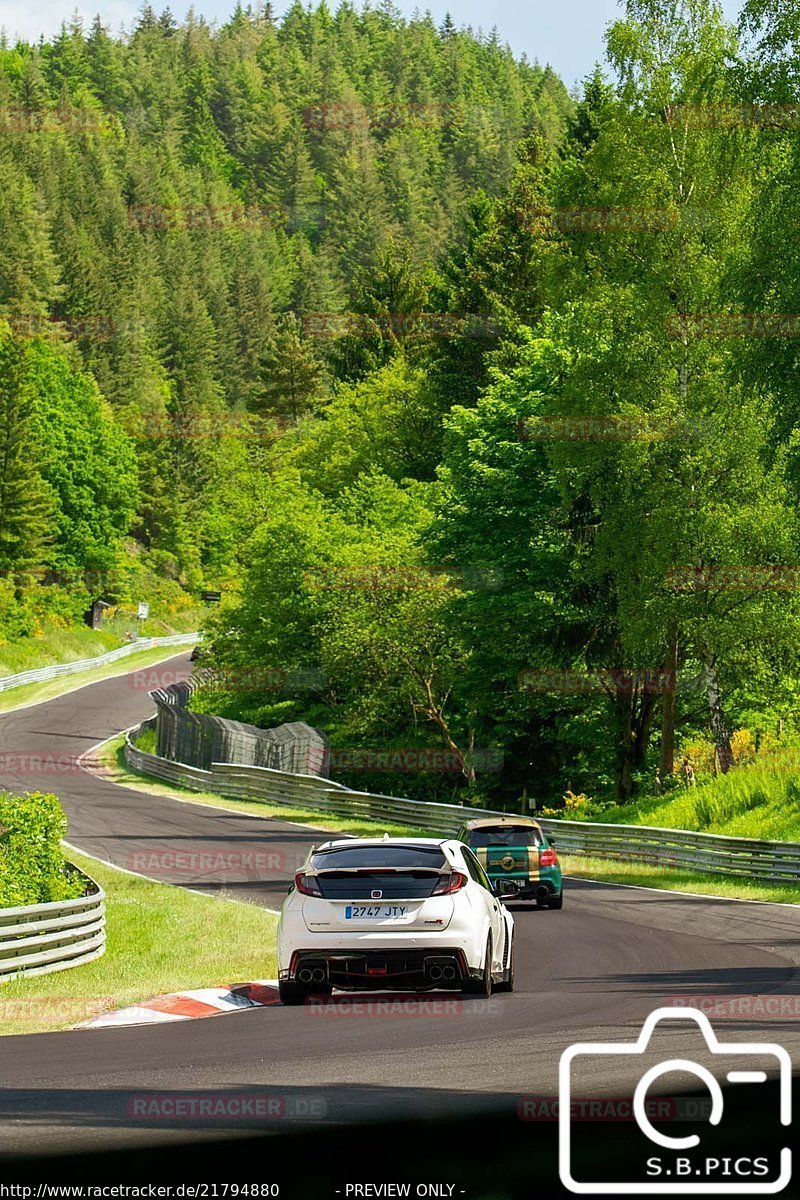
(476,870)
(407,857)
(505,835)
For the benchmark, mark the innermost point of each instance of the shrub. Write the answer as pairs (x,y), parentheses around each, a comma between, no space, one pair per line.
(700,753)
(576,804)
(146,741)
(16,619)
(32,866)
(743,747)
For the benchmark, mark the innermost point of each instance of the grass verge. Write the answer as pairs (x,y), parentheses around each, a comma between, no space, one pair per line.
(58,643)
(635,874)
(692,882)
(160,939)
(37,693)
(750,802)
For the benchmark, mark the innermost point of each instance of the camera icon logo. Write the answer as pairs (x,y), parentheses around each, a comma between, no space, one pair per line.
(671,1174)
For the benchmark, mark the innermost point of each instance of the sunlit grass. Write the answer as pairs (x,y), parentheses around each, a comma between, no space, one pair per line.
(750,802)
(160,939)
(641,875)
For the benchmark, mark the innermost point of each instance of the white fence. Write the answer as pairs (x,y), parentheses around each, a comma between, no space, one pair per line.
(765,862)
(40,938)
(43,674)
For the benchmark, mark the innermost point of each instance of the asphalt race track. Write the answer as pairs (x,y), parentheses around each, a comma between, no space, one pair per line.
(593,971)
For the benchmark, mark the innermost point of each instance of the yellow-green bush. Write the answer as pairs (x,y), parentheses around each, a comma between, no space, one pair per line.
(32,865)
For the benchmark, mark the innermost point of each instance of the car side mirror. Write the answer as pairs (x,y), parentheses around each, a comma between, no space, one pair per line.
(505,889)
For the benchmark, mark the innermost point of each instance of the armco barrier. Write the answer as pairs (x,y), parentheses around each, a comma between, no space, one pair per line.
(767,862)
(40,938)
(44,674)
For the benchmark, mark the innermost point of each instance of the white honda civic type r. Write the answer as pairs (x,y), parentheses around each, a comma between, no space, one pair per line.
(397,913)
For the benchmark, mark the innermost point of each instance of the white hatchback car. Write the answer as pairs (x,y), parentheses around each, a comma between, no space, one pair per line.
(400,913)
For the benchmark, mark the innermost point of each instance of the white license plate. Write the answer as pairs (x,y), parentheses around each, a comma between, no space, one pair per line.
(374,912)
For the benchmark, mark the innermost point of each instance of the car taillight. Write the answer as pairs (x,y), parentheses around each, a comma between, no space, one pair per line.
(449,884)
(548,858)
(307,884)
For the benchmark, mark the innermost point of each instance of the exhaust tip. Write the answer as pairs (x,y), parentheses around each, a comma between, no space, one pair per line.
(305,976)
(434,972)
(542,893)
(318,975)
(448,973)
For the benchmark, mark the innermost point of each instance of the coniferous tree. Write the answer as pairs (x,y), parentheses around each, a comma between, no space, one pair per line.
(25,502)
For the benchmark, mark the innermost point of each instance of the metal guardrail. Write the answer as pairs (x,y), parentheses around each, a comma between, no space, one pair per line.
(44,674)
(39,938)
(766,862)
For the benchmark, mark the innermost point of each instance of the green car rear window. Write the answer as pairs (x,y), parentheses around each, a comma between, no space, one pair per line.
(505,835)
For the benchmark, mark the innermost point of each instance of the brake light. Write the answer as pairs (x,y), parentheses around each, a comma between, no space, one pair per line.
(450,883)
(307,885)
(548,858)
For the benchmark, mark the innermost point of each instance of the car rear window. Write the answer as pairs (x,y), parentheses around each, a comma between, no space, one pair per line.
(351,857)
(397,872)
(505,835)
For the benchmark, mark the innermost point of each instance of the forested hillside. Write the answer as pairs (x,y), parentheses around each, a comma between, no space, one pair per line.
(179,210)
(479,404)
(567,553)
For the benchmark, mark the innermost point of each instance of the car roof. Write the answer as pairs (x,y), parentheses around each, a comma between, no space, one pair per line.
(494,822)
(395,841)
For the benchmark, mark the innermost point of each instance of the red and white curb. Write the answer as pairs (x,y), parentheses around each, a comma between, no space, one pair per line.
(188,1006)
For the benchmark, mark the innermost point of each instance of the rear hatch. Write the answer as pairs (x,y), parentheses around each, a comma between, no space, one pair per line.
(400,902)
(379,889)
(510,862)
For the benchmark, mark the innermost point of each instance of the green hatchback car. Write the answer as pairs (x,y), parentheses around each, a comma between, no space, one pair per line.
(517,849)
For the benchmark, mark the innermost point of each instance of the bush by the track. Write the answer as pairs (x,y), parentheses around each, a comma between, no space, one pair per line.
(32,865)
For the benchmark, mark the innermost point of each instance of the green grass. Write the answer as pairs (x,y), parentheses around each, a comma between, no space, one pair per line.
(160,939)
(63,644)
(111,755)
(641,875)
(56,645)
(750,802)
(37,693)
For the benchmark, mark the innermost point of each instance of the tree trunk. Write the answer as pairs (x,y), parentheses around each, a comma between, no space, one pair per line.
(667,764)
(719,729)
(624,772)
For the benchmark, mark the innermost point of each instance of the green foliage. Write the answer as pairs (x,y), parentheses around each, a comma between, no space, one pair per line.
(760,801)
(25,500)
(557,478)
(206,192)
(32,867)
